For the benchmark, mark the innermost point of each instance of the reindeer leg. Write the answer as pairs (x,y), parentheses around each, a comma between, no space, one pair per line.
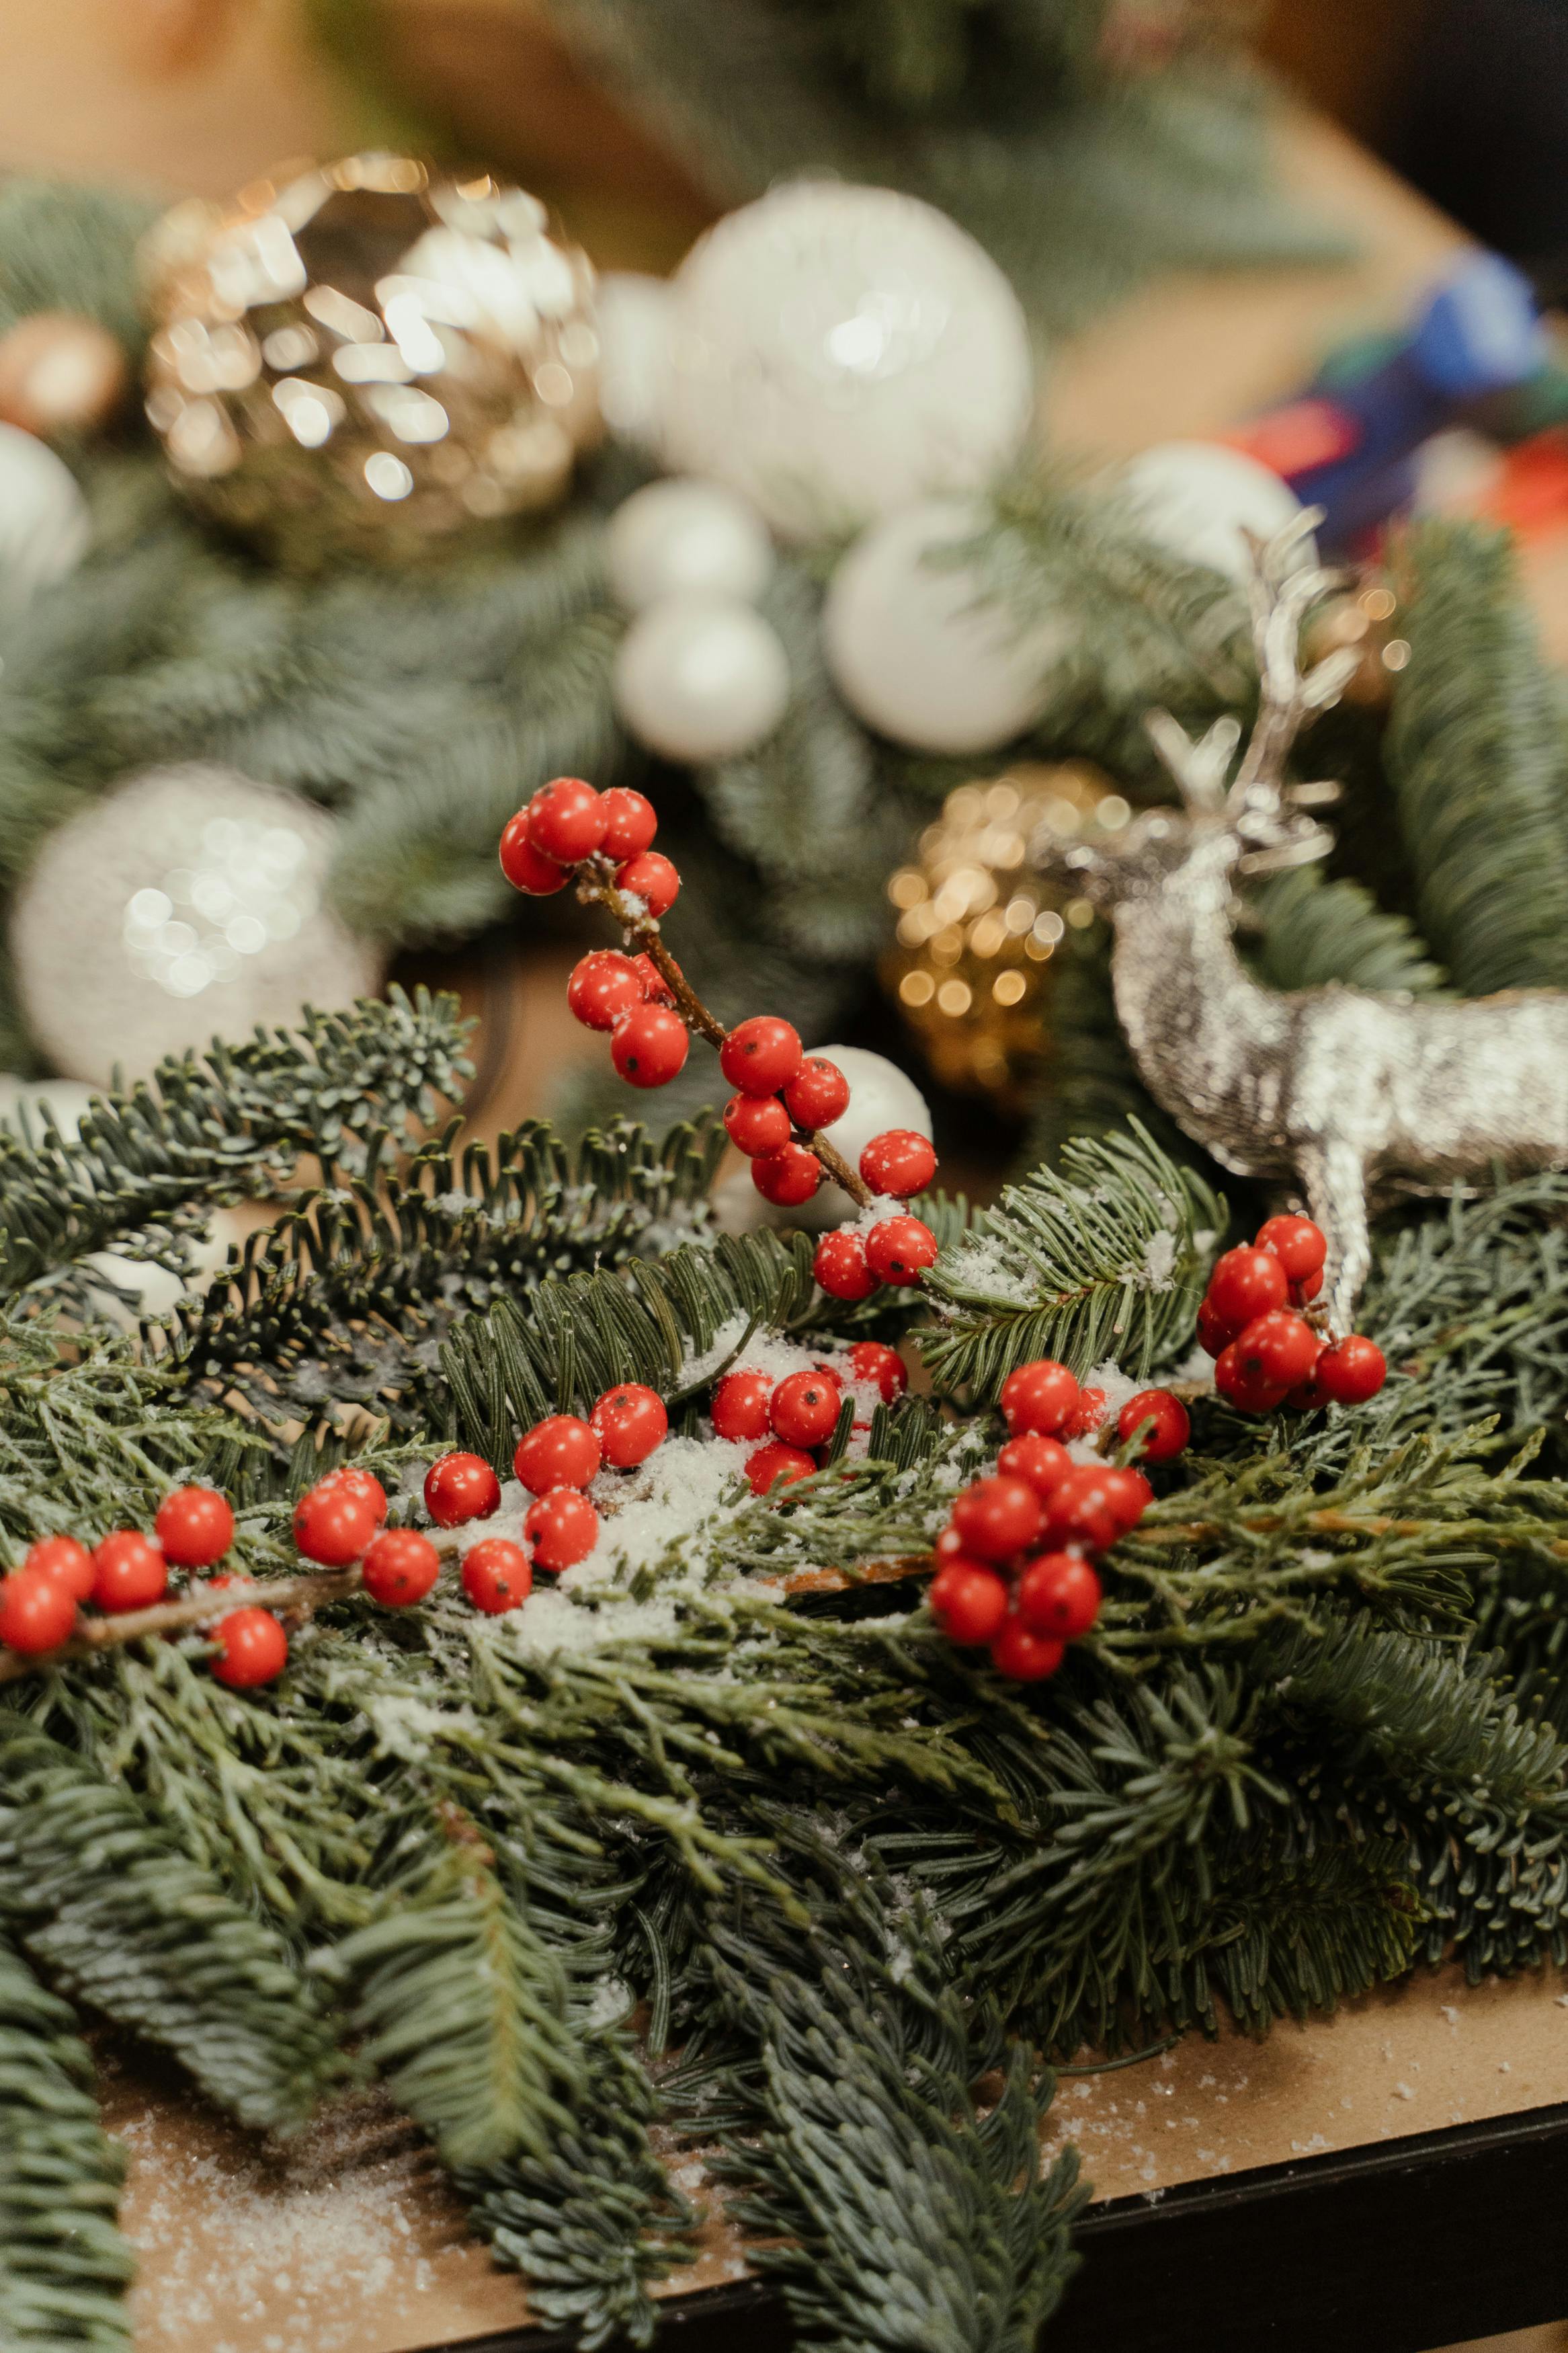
(1334,1176)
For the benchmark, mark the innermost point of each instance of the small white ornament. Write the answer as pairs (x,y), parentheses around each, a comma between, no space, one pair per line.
(700,678)
(880,1097)
(915,651)
(631,315)
(45,528)
(683,537)
(1198,498)
(837,352)
(184,905)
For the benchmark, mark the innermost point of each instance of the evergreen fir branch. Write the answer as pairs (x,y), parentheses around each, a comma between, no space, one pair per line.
(68,247)
(63,2263)
(1476,757)
(148,1164)
(106,1902)
(1312,932)
(1102,1261)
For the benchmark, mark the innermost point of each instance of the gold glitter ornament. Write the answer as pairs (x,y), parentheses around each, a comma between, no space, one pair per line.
(1367,617)
(972,967)
(369,359)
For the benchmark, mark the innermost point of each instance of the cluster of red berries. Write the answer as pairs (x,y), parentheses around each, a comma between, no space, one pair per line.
(554,1460)
(783,1420)
(782,1096)
(1266,1352)
(1014,1571)
(127,1571)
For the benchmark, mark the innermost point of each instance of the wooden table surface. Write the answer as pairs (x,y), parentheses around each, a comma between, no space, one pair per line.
(348,2243)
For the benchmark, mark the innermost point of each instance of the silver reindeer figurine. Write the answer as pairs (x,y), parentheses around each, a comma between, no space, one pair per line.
(1346,1096)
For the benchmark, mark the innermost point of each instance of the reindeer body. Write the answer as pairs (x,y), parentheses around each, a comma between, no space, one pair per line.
(1350,1095)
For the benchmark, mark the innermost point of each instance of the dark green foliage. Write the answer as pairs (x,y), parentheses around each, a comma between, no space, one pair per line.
(1478,765)
(66,247)
(62,2262)
(105,1902)
(1105,1260)
(1309,931)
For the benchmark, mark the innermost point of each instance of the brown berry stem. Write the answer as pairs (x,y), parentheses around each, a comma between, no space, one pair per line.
(595,885)
(298,1595)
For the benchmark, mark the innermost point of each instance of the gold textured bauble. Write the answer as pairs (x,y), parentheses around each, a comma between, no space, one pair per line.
(60,374)
(368,360)
(1366,616)
(972,970)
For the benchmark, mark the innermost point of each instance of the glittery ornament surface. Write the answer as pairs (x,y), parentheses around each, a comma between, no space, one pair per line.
(369,359)
(979,928)
(187,905)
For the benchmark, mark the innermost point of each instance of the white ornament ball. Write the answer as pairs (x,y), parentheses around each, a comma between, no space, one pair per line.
(631,317)
(700,678)
(1197,499)
(914,650)
(836,351)
(45,528)
(187,905)
(683,537)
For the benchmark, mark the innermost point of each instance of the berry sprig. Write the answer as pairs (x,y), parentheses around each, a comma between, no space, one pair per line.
(785,1099)
(784,1421)
(1271,1344)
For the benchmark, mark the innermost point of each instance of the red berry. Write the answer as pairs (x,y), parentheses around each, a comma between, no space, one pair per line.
(654,986)
(1309,1395)
(756,1123)
(37,1611)
(840,1265)
(872,1360)
(1129,1494)
(333,1525)
(650,1046)
(740,1406)
(650,877)
(629,1421)
(788,1176)
(1085,1511)
(64,1558)
(777,1465)
(630,822)
(563,1527)
(1243,1390)
(1042,1462)
(1352,1370)
(1041,1396)
(461,1487)
(762,1055)
(1215,1331)
(1022,1657)
(1297,1244)
(129,1571)
(996,1517)
(566,820)
(250,1648)
(561,1450)
(817,1094)
(1087,1415)
(1158,1421)
(603,986)
(804,1410)
(1247,1283)
(497,1576)
(949,1544)
(400,1568)
(968,1600)
(1306,1290)
(363,1483)
(1060,1595)
(194,1525)
(898,1249)
(524,868)
(1277,1350)
(898,1161)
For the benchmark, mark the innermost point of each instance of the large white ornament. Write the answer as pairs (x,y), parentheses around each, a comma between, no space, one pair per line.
(700,678)
(1197,499)
(838,352)
(631,315)
(45,528)
(914,649)
(187,904)
(684,537)
(880,1097)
